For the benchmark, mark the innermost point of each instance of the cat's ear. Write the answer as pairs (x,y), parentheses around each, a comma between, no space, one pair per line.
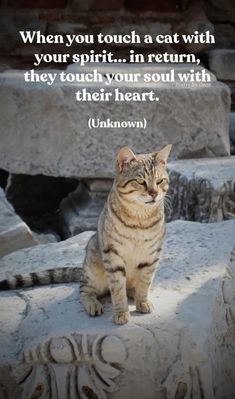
(163,154)
(124,157)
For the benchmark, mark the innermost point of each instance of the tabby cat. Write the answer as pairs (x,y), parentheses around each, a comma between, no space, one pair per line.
(122,256)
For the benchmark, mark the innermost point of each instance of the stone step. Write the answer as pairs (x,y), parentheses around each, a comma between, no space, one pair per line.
(44,130)
(49,346)
(14,233)
(202,189)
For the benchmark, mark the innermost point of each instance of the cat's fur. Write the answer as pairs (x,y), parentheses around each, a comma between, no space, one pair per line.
(122,256)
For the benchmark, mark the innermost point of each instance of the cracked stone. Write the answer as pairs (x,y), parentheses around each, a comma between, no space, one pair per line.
(185,347)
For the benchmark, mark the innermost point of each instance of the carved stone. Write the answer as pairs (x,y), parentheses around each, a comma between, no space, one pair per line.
(202,190)
(51,349)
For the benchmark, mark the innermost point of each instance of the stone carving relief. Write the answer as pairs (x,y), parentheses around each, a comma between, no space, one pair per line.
(197,199)
(71,367)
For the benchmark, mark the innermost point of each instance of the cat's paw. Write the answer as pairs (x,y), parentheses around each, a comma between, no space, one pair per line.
(121,317)
(144,307)
(93,307)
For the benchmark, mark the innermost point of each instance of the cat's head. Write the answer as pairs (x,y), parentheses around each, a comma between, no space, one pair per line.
(142,178)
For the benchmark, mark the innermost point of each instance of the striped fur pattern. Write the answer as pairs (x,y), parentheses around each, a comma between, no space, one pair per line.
(122,256)
(124,253)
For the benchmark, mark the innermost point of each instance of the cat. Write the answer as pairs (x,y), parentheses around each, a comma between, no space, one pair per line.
(122,256)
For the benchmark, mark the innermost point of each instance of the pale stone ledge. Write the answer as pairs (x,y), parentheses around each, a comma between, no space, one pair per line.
(44,130)
(14,233)
(185,349)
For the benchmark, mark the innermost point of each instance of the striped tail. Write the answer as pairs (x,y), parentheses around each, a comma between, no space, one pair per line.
(46,277)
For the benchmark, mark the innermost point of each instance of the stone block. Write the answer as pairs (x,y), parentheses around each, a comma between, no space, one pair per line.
(14,233)
(222,63)
(45,131)
(186,348)
(202,189)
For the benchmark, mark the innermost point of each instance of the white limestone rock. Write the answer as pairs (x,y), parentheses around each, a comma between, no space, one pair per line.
(202,189)
(14,233)
(53,137)
(184,349)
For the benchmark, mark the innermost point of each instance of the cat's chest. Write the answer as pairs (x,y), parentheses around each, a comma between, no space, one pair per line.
(134,252)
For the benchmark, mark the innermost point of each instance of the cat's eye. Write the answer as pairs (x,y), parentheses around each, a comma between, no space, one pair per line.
(160,181)
(141,181)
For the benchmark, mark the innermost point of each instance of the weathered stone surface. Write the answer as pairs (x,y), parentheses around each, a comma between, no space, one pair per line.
(53,137)
(202,189)
(14,233)
(222,63)
(81,209)
(184,348)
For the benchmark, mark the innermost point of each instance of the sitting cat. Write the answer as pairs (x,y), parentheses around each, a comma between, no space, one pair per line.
(122,256)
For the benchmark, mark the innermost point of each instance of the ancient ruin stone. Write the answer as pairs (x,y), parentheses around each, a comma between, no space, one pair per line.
(49,345)
(53,137)
(202,189)
(14,233)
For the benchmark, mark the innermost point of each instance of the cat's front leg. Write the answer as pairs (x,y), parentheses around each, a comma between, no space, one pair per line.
(116,276)
(117,284)
(145,273)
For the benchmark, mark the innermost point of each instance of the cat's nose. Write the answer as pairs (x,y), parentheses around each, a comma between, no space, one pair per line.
(153,193)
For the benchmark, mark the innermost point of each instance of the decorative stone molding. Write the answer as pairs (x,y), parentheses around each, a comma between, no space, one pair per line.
(185,349)
(202,190)
(72,366)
